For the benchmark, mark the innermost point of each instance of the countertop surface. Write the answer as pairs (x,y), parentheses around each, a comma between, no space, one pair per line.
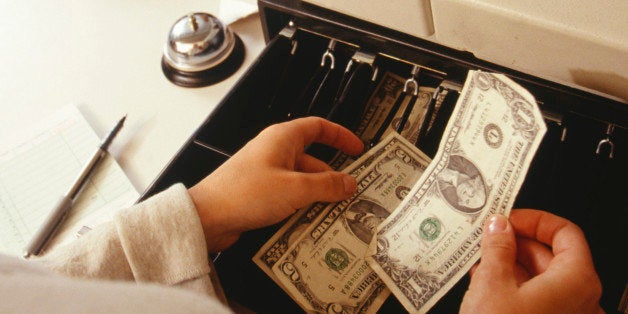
(104,56)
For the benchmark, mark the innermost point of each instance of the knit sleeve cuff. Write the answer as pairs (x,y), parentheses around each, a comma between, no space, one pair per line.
(163,239)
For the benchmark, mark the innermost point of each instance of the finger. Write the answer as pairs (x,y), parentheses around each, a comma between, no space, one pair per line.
(521,274)
(328,186)
(313,129)
(572,268)
(533,255)
(564,237)
(499,253)
(307,163)
(473,268)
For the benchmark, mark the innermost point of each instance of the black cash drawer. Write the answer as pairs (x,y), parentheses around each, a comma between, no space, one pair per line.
(572,175)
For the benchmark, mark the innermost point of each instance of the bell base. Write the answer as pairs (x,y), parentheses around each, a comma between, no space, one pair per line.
(210,76)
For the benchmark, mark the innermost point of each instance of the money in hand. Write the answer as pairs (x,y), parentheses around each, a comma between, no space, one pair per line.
(432,238)
(324,270)
(278,244)
(378,106)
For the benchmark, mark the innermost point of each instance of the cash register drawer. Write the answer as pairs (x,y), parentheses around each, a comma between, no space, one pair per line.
(572,175)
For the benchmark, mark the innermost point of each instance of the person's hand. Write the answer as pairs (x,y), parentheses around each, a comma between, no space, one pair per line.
(536,263)
(270,178)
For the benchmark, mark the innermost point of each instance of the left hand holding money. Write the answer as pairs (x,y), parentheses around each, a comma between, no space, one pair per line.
(270,178)
(536,263)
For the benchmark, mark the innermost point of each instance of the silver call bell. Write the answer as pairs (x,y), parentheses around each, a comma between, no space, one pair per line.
(201,51)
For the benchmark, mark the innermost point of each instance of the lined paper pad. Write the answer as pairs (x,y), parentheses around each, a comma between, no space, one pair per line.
(38,169)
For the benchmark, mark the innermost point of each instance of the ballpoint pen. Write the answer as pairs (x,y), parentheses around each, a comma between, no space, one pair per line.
(61,209)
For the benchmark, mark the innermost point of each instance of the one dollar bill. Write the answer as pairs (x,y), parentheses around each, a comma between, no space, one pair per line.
(432,239)
(324,270)
(278,244)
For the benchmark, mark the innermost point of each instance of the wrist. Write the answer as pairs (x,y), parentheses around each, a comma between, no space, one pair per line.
(218,234)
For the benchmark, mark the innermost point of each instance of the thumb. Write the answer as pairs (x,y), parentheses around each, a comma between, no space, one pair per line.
(327,186)
(493,282)
(499,253)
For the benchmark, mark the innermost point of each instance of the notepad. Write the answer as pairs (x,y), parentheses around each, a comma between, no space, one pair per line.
(38,167)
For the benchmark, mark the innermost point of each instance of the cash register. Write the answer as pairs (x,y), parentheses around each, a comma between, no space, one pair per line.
(329,58)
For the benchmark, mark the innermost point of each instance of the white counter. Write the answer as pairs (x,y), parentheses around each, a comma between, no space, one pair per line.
(104,56)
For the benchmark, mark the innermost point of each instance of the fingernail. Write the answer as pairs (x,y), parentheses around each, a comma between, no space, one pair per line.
(497,223)
(350,184)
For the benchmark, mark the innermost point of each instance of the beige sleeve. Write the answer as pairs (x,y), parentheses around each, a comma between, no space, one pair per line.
(159,240)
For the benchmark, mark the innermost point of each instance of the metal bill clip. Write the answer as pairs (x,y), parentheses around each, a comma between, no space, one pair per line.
(607,141)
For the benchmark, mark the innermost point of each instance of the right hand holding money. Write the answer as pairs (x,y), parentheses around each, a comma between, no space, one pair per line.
(537,263)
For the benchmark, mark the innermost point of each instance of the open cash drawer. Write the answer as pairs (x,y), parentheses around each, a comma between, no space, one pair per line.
(578,172)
